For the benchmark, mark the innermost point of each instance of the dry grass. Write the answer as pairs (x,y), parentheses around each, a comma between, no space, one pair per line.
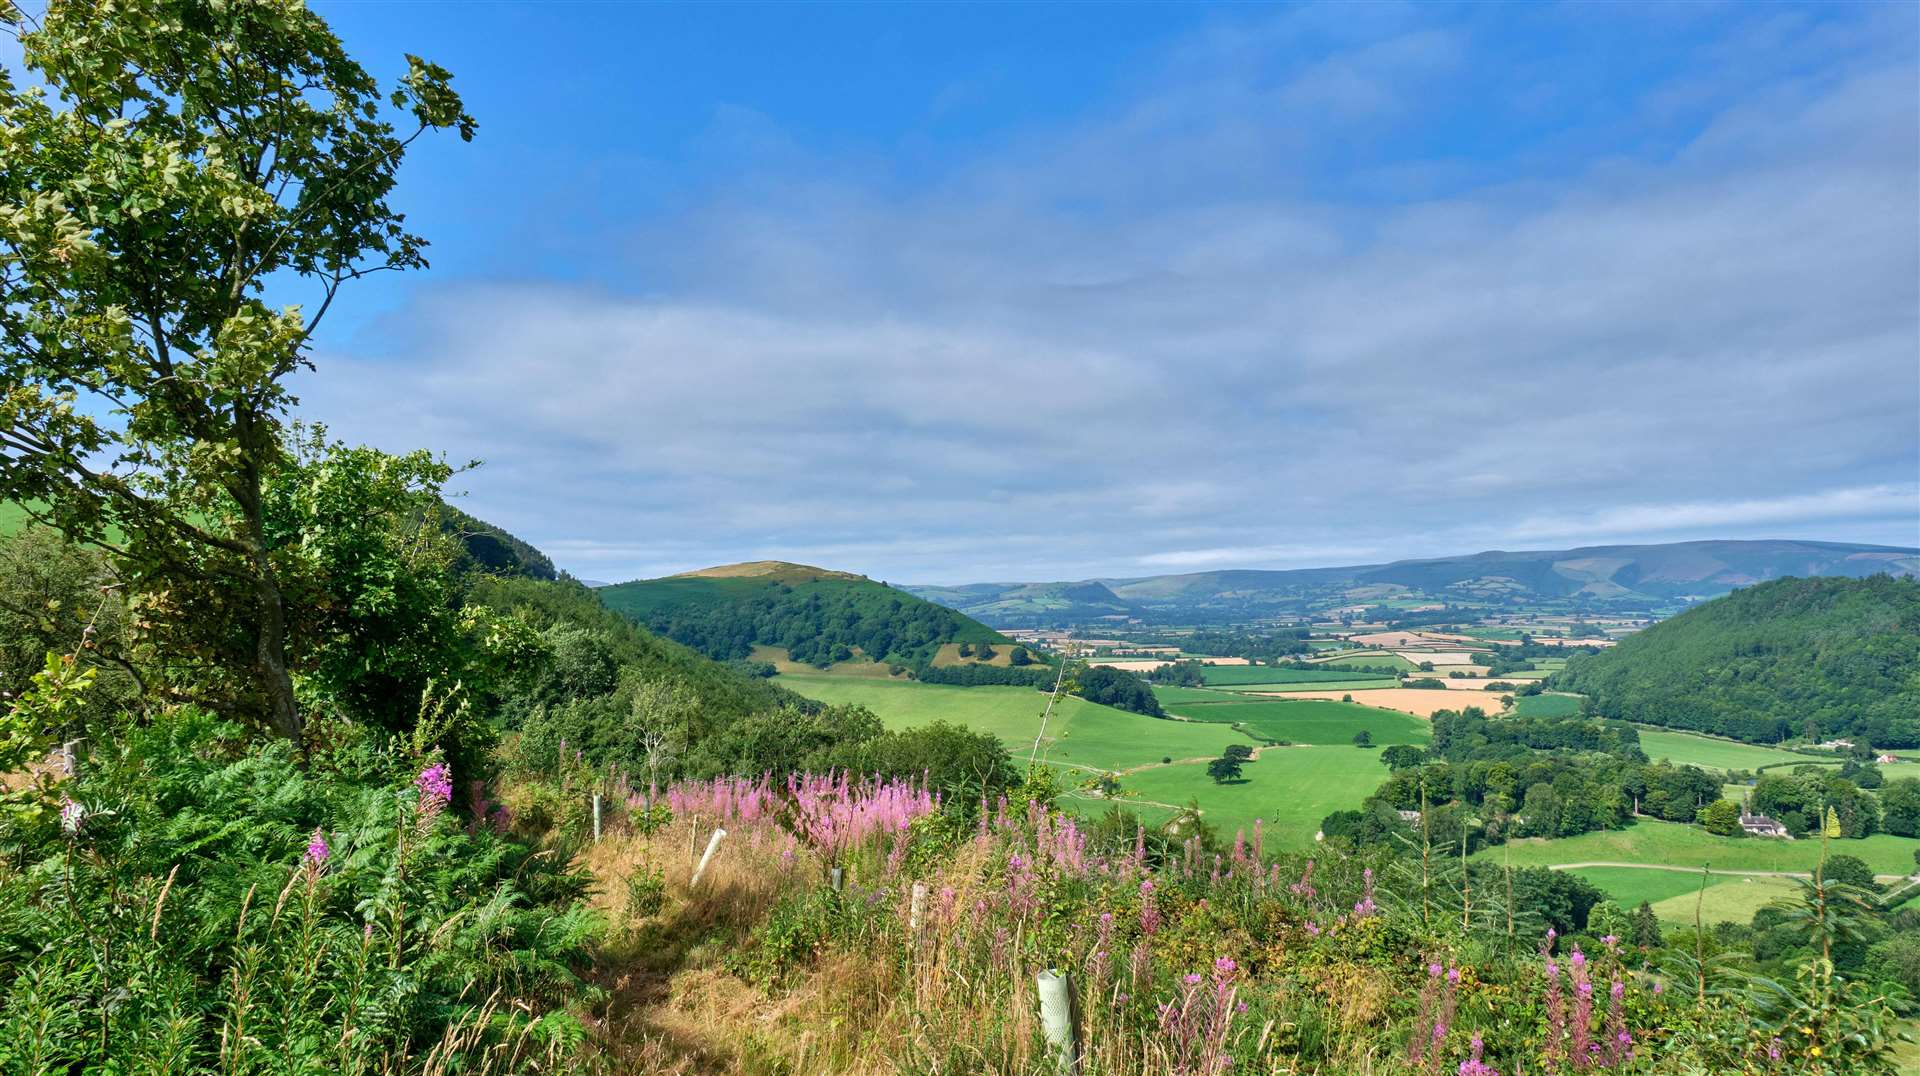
(1421,702)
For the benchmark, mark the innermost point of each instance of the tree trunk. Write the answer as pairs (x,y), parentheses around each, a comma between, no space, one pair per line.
(270,640)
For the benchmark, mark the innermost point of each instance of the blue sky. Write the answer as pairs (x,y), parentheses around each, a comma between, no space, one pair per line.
(946,293)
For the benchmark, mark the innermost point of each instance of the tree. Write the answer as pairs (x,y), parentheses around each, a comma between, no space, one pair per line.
(1019,656)
(1224,769)
(1363,738)
(966,650)
(1402,757)
(1608,919)
(187,155)
(1721,817)
(1646,927)
(1850,870)
(1238,750)
(1900,807)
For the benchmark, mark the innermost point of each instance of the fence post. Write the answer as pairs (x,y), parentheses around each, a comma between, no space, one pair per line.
(1056,1018)
(712,845)
(596,816)
(915,905)
(839,879)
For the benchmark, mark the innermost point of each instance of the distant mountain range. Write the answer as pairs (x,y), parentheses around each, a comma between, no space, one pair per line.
(1617,577)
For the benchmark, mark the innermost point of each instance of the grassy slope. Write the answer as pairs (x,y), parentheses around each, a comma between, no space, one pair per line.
(1081,733)
(1707,751)
(1290,788)
(1671,843)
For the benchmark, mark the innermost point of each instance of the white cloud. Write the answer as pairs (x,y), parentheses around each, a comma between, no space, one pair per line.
(1144,340)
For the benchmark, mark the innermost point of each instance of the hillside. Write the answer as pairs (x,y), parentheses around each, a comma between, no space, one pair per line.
(818,616)
(1820,657)
(1662,577)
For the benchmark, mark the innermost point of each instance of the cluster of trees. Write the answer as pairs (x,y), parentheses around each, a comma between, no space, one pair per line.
(976,675)
(1259,646)
(818,622)
(1530,777)
(1188,673)
(1117,688)
(1818,658)
(1801,800)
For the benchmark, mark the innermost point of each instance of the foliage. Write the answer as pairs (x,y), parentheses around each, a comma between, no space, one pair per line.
(179,158)
(812,617)
(1830,657)
(1119,689)
(298,905)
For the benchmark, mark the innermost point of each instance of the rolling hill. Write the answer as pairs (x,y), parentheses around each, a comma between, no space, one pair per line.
(818,616)
(1830,657)
(1625,577)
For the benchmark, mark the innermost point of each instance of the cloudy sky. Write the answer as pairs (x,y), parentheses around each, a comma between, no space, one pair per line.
(943,294)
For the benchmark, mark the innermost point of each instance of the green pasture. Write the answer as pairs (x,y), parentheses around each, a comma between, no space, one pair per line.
(1230,675)
(1317,685)
(1171,696)
(1079,734)
(1628,886)
(1686,748)
(1677,845)
(1546,705)
(1728,900)
(1291,788)
(1315,721)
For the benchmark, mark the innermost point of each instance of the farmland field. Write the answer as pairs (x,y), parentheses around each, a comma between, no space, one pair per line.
(1229,675)
(1170,695)
(1323,685)
(1291,788)
(1412,700)
(1080,733)
(1369,659)
(1628,886)
(1313,721)
(1547,705)
(1730,900)
(1673,844)
(1710,752)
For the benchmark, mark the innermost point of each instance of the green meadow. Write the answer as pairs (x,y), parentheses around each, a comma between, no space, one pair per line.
(1229,675)
(1079,734)
(1686,748)
(1290,788)
(1676,895)
(1320,685)
(1674,844)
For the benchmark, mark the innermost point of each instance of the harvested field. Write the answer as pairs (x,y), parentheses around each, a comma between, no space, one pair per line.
(1439,657)
(1130,665)
(1408,700)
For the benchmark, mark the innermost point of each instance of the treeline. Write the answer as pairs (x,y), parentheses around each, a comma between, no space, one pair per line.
(977,675)
(1815,658)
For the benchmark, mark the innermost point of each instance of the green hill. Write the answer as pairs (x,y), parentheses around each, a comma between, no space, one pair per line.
(1821,657)
(817,615)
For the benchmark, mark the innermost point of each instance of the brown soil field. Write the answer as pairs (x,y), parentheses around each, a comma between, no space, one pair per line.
(1420,702)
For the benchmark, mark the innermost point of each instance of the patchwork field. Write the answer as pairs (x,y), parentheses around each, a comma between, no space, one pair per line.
(1673,844)
(1310,721)
(1440,659)
(1423,702)
(1292,788)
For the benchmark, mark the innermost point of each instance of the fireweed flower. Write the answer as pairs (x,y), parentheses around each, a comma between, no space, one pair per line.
(436,788)
(71,816)
(315,859)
